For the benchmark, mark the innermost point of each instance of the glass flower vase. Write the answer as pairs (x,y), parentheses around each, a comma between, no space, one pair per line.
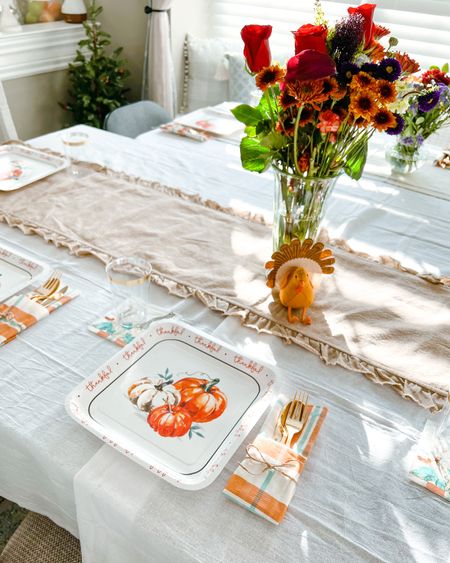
(405,159)
(299,205)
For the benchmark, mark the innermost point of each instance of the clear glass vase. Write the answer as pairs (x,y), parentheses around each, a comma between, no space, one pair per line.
(406,159)
(299,205)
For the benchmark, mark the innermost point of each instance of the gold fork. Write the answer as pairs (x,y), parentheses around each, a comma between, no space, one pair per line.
(296,417)
(47,289)
(44,291)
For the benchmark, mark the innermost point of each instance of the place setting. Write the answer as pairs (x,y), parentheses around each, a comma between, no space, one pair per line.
(22,302)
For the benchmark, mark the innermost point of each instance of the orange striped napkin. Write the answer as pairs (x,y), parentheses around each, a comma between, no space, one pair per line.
(25,313)
(265,481)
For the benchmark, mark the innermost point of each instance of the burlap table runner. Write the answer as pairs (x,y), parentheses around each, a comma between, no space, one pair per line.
(391,325)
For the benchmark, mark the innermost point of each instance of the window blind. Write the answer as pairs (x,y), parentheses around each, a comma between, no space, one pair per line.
(421,26)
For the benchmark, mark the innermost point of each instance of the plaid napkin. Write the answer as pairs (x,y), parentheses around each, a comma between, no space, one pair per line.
(25,313)
(265,480)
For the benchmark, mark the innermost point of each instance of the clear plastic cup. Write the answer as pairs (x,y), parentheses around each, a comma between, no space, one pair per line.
(129,280)
(75,144)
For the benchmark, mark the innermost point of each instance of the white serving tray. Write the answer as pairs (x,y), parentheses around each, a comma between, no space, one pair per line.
(101,402)
(17,272)
(21,165)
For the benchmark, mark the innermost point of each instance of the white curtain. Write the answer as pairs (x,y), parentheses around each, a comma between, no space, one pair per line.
(7,128)
(160,75)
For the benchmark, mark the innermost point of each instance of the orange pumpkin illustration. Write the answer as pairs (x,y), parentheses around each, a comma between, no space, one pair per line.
(201,398)
(170,421)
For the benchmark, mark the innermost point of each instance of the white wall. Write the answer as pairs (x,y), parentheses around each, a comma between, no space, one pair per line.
(34,100)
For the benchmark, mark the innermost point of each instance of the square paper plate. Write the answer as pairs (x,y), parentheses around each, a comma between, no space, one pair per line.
(198,400)
(16,272)
(21,165)
(210,120)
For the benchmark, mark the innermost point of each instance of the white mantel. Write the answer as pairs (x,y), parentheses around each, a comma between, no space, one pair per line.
(38,48)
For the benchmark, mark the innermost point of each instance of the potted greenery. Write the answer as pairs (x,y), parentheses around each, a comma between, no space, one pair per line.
(97,77)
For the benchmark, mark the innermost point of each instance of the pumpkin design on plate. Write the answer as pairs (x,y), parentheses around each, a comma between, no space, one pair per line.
(147,394)
(170,421)
(201,398)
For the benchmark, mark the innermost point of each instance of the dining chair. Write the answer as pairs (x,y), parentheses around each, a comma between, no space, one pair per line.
(137,118)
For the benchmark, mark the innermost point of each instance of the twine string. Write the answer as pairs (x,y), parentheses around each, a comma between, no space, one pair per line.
(255,454)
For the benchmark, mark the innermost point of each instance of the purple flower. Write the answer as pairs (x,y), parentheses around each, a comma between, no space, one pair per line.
(407,141)
(444,92)
(398,128)
(371,68)
(413,108)
(346,72)
(390,69)
(428,101)
(419,140)
(349,32)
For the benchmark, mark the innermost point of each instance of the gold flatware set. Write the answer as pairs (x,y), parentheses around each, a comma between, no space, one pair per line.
(292,419)
(45,294)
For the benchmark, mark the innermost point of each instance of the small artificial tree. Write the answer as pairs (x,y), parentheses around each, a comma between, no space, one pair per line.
(97,78)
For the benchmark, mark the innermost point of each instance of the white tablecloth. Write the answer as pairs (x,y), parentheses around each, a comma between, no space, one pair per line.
(354,501)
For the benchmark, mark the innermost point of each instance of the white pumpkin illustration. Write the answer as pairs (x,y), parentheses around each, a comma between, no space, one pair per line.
(147,394)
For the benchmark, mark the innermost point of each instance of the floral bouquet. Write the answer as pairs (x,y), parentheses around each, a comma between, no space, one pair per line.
(424,104)
(317,113)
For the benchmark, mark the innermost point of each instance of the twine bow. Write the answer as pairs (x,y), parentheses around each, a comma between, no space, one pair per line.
(256,455)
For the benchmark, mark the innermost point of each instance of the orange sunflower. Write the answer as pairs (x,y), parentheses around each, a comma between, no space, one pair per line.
(307,91)
(269,76)
(340,93)
(384,119)
(286,100)
(409,65)
(380,31)
(363,104)
(361,81)
(387,91)
(377,51)
(359,122)
(330,86)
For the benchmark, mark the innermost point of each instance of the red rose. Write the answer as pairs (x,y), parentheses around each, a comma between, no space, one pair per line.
(311,37)
(257,50)
(309,65)
(366,10)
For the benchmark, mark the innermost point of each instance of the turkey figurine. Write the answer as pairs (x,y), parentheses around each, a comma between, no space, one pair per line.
(297,292)
(295,271)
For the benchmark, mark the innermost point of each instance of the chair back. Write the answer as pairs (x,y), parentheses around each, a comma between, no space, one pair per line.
(134,119)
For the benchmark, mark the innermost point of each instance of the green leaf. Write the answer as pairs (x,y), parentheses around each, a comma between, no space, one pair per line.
(356,161)
(247,114)
(267,107)
(274,140)
(445,67)
(254,157)
(250,131)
